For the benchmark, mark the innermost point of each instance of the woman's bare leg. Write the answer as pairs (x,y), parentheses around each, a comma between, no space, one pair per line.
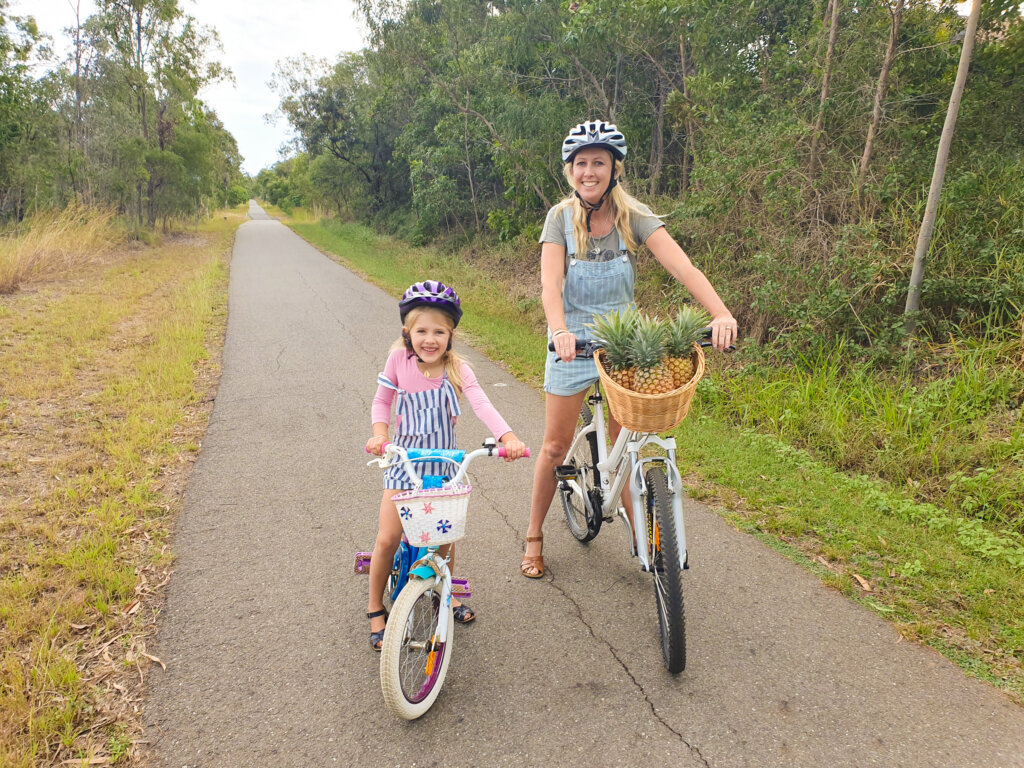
(560,416)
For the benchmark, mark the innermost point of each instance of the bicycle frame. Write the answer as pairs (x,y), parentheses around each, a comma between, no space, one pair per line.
(611,466)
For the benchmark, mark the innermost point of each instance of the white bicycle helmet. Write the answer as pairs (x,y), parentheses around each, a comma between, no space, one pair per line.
(594,133)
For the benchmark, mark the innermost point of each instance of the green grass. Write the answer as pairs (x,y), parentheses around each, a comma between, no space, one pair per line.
(848,472)
(101,412)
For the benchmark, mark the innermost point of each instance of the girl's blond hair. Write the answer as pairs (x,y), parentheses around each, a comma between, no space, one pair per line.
(452,361)
(623,204)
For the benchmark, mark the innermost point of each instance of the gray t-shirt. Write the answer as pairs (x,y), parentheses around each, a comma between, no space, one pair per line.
(643,223)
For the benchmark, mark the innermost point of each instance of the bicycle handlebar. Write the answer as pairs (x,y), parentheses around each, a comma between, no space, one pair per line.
(586,347)
(394,453)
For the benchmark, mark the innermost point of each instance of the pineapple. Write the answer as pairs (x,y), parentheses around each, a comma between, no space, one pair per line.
(683,331)
(652,376)
(615,332)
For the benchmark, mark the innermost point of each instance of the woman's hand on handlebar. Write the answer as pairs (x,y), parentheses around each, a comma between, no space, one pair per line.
(514,447)
(724,330)
(565,346)
(375,445)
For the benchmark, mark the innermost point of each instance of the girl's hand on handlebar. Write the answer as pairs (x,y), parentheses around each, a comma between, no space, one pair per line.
(565,346)
(514,447)
(723,332)
(375,445)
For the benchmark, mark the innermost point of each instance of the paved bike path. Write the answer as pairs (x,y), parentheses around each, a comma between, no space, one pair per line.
(265,639)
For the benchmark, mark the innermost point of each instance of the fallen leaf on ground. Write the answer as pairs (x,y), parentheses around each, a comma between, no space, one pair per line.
(863,582)
(155,659)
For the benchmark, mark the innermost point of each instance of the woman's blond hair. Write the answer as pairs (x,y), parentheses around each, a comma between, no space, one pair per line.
(452,361)
(623,204)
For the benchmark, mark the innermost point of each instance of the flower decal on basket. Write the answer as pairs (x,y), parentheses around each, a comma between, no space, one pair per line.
(428,508)
(443,526)
(406,513)
(425,537)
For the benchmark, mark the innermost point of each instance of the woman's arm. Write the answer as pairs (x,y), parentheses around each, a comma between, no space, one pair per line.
(675,261)
(552,277)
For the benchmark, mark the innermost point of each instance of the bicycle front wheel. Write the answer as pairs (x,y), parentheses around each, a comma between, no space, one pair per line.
(583,524)
(663,545)
(413,661)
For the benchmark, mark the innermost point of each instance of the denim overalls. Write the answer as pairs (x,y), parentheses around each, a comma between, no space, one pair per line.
(423,420)
(591,289)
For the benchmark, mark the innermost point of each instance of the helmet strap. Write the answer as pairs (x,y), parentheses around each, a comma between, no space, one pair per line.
(408,345)
(590,208)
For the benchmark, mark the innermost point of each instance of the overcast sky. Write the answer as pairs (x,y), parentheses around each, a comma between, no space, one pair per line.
(256,34)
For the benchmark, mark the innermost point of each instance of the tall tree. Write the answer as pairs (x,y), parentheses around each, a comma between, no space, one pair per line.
(924,237)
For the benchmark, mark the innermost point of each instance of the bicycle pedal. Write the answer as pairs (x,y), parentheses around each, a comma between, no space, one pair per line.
(363,562)
(566,472)
(461,588)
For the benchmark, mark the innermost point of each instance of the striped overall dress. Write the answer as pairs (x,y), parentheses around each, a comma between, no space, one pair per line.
(424,420)
(591,289)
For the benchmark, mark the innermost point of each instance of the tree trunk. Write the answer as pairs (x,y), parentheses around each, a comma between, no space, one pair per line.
(657,138)
(880,92)
(688,152)
(469,171)
(826,77)
(924,237)
(615,89)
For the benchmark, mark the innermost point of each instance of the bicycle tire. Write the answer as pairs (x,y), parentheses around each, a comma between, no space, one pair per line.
(412,665)
(584,526)
(663,545)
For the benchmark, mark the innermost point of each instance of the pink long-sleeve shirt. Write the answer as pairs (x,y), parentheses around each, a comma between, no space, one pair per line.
(401,369)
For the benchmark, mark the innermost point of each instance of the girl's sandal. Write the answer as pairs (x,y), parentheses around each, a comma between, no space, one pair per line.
(377,638)
(533,562)
(463,613)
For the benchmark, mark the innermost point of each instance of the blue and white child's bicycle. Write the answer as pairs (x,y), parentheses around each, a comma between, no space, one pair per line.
(418,642)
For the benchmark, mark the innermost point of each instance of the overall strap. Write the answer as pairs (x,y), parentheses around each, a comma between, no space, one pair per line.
(451,396)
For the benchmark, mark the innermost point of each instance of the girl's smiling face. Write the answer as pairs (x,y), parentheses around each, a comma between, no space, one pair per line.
(430,332)
(592,172)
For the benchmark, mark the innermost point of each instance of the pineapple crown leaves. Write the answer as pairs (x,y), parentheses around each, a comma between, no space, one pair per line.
(685,328)
(650,337)
(615,332)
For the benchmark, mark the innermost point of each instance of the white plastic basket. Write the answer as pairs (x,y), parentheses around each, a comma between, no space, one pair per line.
(433,516)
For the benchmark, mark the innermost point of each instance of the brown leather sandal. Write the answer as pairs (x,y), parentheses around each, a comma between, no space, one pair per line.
(535,562)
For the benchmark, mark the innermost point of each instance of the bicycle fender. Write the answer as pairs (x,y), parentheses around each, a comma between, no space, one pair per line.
(423,572)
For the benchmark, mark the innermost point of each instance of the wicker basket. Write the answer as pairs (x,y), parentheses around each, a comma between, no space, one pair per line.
(433,516)
(650,413)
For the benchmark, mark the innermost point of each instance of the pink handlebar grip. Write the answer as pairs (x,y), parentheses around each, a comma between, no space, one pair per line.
(502,454)
(383,447)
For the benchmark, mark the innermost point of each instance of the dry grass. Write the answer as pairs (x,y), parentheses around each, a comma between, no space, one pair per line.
(53,244)
(107,373)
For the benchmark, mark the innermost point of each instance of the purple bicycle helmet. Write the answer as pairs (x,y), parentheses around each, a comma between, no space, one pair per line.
(433,294)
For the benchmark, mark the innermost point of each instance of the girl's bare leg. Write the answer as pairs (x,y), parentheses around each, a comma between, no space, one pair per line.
(389,536)
(560,416)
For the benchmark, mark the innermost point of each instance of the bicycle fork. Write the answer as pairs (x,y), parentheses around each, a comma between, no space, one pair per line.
(638,489)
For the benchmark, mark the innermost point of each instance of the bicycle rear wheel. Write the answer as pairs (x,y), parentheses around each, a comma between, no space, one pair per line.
(413,663)
(584,519)
(663,545)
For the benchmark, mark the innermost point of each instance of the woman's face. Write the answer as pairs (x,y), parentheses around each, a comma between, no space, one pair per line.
(430,332)
(592,172)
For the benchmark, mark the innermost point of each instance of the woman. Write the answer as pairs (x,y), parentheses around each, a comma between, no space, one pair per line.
(588,248)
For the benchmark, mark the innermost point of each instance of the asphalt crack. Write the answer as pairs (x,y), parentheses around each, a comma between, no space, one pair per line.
(694,750)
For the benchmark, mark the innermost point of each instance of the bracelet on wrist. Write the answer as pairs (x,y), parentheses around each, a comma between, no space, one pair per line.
(559,332)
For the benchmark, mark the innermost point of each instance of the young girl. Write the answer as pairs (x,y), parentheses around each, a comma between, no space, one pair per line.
(426,378)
